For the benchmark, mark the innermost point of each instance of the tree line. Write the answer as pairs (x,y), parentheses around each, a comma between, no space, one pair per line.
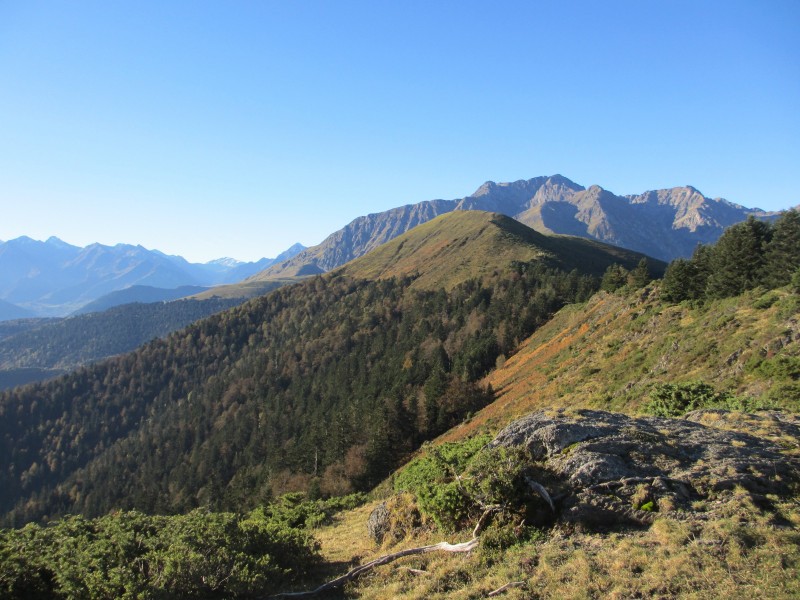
(748,255)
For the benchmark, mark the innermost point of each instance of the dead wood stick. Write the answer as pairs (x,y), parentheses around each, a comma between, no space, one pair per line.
(505,587)
(355,572)
(484,518)
(539,489)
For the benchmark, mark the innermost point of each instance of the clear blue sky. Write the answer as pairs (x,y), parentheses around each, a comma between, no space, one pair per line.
(236,128)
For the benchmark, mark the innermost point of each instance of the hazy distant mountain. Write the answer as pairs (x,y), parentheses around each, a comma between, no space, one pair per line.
(664,224)
(10,311)
(53,278)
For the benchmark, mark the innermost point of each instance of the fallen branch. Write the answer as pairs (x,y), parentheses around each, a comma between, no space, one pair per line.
(416,571)
(488,511)
(539,489)
(355,572)
(505,587)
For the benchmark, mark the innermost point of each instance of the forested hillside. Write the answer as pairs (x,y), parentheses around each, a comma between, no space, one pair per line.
(67,343)
(325,385)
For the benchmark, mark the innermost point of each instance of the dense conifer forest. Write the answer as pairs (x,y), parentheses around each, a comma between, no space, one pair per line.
(324,386)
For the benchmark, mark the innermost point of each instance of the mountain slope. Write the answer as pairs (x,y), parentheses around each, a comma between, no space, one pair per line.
(356,239)
(138,293)
(609,352)
(326,383)
(65,344)
(471,244)
(10,311)
(664,224)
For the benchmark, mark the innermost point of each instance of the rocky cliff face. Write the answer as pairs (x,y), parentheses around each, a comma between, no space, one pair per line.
(664,224)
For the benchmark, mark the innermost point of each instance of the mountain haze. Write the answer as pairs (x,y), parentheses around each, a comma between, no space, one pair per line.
(664,224)
(53,278)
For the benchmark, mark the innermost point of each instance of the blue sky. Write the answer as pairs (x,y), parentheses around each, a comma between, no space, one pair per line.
(237,128)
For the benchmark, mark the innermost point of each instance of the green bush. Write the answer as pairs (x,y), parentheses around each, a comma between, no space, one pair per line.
(780,367)
(435,480)
(766,301)
(295,510)
(677,399)
(131,555)
(455,482)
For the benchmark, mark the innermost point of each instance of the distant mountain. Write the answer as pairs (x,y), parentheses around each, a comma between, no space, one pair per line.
(53,278)
(664,224)
(10,311)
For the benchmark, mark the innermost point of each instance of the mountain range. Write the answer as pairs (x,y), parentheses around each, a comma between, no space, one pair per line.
(54,278)
(444,333)
(664,224)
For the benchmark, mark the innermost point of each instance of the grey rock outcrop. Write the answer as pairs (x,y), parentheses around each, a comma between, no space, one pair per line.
(604,468)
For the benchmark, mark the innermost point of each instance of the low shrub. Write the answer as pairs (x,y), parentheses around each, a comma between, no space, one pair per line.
(677,399)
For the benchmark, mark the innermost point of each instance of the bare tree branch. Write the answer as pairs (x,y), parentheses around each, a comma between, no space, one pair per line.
(539,489)
(355,572)
(508,586)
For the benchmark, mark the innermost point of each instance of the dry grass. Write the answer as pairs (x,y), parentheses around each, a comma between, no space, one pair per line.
(745,553)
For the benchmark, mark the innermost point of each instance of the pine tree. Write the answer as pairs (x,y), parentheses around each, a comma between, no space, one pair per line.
(614,278)
(782,255)
(737,260)
(680,281)
(639,276)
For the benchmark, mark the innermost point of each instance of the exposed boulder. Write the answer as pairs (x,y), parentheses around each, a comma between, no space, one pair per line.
(378,523)
(605,468)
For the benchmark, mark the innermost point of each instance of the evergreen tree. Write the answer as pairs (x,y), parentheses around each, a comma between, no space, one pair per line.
(680,281)
(737,261)
(782,255)
(614,278)
(640,276)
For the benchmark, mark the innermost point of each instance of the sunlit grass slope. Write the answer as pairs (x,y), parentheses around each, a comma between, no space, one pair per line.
(462,245)
(610,351)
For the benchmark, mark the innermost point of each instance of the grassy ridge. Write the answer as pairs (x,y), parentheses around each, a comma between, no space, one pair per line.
(610,352)
(464,245)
